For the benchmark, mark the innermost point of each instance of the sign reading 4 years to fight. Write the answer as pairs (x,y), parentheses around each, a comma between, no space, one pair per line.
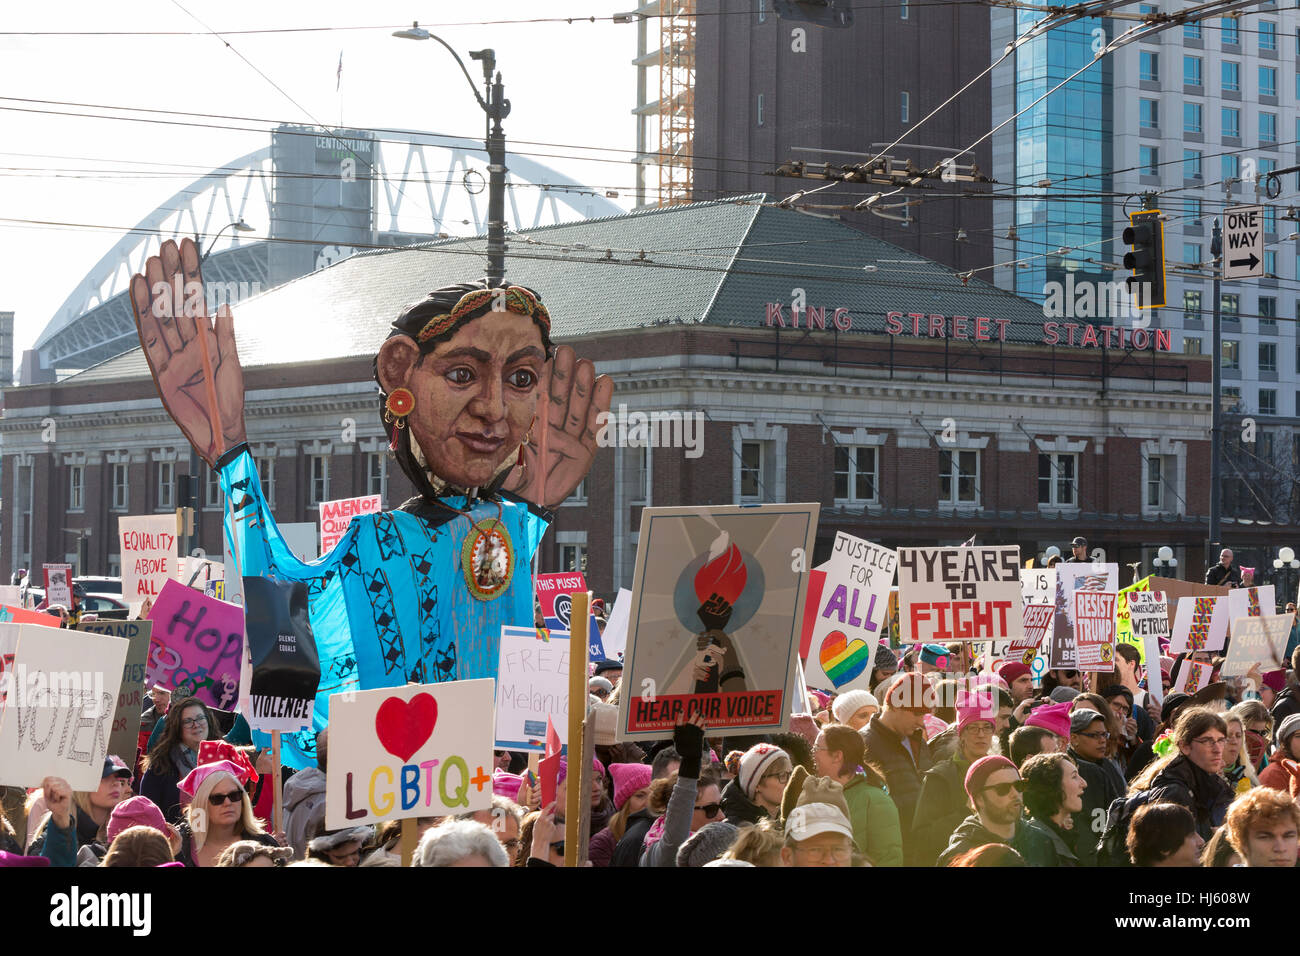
(959,594)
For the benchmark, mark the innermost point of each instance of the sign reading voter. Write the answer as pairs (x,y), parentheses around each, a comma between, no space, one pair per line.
(335,516)
(422,750)
(959,594)
(851,613)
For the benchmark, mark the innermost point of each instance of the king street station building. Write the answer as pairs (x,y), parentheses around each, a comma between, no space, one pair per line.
(759,355)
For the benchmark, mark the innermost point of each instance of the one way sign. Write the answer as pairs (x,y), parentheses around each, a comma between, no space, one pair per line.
(1243,251)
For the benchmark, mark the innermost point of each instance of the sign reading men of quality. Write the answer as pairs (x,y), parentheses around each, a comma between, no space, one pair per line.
(335,516)
(717,604)
(1243,246)
(130,698)
(959,594)
(423,750)
(532,684)
(197,646)
(59,706)
(286,665)
(148,552)
(850,618)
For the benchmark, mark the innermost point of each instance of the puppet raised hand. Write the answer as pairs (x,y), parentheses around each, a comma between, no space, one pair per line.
(573,397)
(194,364)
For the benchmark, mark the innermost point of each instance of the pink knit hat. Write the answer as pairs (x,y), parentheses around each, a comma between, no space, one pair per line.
(596,765)
(506,784)
(137,812)
(1053,717)
(972,708)
(628,779)
(982,769)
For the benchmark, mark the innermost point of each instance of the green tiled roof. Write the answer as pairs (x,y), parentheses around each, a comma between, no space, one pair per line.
(594,279)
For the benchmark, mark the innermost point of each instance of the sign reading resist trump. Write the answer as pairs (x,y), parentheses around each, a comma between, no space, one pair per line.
(422,750)
(959,594)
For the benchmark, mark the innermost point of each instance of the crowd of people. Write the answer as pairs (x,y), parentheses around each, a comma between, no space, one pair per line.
(942,763)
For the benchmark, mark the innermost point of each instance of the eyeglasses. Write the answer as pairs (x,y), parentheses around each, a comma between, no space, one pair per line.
(1095,734)
(194,722)
(710,810)
(217,799)
(826,852)
(1003,789)
(782,775)
(1214,743)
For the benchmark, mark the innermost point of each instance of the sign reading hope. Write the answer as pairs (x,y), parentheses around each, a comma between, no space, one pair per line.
(335,516)
(959,594)
(421,750)
(197,645)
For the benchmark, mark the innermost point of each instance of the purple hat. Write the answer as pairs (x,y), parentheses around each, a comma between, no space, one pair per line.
(982,769)
(16,859)
(628,779)
(136,812)
(1275,681)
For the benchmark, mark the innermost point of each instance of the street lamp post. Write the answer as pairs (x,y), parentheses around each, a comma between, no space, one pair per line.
(1285,562)
(1164,558)
(496,108)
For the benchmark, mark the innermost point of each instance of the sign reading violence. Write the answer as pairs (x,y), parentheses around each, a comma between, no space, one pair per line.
(959,594)
(422,750)
(717,602)
(197,646)
(285,663)
(851,608)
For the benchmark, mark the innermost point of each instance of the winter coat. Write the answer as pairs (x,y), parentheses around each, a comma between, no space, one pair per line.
(186,855)
(1207,796)
(62,847)
(940,809)
(1105,784)
(304,809)
(901,771)
(1229,577)
(160,781)
(738,808)
(627,852)
(971,835)
(1054,846)
(1282,775)
(1287,703)
(875,820)
(677,824)
(600,851)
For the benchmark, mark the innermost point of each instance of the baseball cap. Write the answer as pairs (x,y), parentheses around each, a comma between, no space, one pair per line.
(1079,540)
(114,766)
(812,819)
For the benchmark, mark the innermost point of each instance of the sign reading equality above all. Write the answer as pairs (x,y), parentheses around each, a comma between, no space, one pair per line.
(1243,242)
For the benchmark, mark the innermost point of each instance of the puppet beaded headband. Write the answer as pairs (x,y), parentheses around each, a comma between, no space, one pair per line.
(429,330)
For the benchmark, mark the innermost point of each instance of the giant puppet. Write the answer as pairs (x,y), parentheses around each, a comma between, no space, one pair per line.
(419,593)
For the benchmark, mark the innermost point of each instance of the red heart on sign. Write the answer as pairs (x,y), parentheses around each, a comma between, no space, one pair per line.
(404,726)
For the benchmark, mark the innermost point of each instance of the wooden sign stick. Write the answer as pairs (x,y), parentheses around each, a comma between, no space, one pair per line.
(277,807)
(410,836)
(574,792)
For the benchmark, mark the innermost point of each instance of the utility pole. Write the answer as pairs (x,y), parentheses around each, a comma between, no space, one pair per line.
(1216,408)
(498,108)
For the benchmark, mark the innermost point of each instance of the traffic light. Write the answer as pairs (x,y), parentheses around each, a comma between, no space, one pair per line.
(1146,234)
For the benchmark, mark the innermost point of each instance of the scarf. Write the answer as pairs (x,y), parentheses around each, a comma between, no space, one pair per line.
(184,759)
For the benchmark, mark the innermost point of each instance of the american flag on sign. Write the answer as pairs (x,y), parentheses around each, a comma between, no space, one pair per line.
(1091,582)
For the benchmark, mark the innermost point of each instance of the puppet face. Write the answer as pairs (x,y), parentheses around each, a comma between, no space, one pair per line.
(476,394)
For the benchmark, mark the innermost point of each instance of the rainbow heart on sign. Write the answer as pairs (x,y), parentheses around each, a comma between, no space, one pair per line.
(403,726)
(842,659)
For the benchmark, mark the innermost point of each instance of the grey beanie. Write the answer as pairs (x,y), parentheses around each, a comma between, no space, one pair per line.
(1063,694)
(1287,728)
(707,844)
(885,657)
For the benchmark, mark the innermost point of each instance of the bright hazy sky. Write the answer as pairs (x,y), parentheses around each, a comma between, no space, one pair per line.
(567,83)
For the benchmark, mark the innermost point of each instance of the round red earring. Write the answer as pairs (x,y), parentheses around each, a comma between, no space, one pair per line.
(399,404)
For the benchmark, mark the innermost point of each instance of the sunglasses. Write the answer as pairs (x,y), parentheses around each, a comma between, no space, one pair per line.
(711,810)
(217,799)
(1003,789)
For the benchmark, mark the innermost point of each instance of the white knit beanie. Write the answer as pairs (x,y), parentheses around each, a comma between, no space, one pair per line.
(755,762)
(850,702)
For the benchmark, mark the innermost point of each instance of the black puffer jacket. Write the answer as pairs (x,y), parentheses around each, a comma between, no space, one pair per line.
(901,771)
(1207,796)
(738,808)
(940,809)
(971,835)
(627,852)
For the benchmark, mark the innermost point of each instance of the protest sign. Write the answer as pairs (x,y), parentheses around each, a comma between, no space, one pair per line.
(614,637)
(1192,676)
(124,737)
(1148,613)
(300,537)
(532,685)
(1061,650)
(555,594)
(1096,576)
(850,615)
(1038,585)
(285,662)
(1250,602)
(422,750)
(1200,624)
(196,646)
(816,581)
(1123,626)
(58,712)
(17,615)
(1035,620)
(1175,590)
(148,550)
(58,584)
(335,516)
(11,594)
(959,594)
(1094,630)
(196,572)
(717,604)
(1258,640)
